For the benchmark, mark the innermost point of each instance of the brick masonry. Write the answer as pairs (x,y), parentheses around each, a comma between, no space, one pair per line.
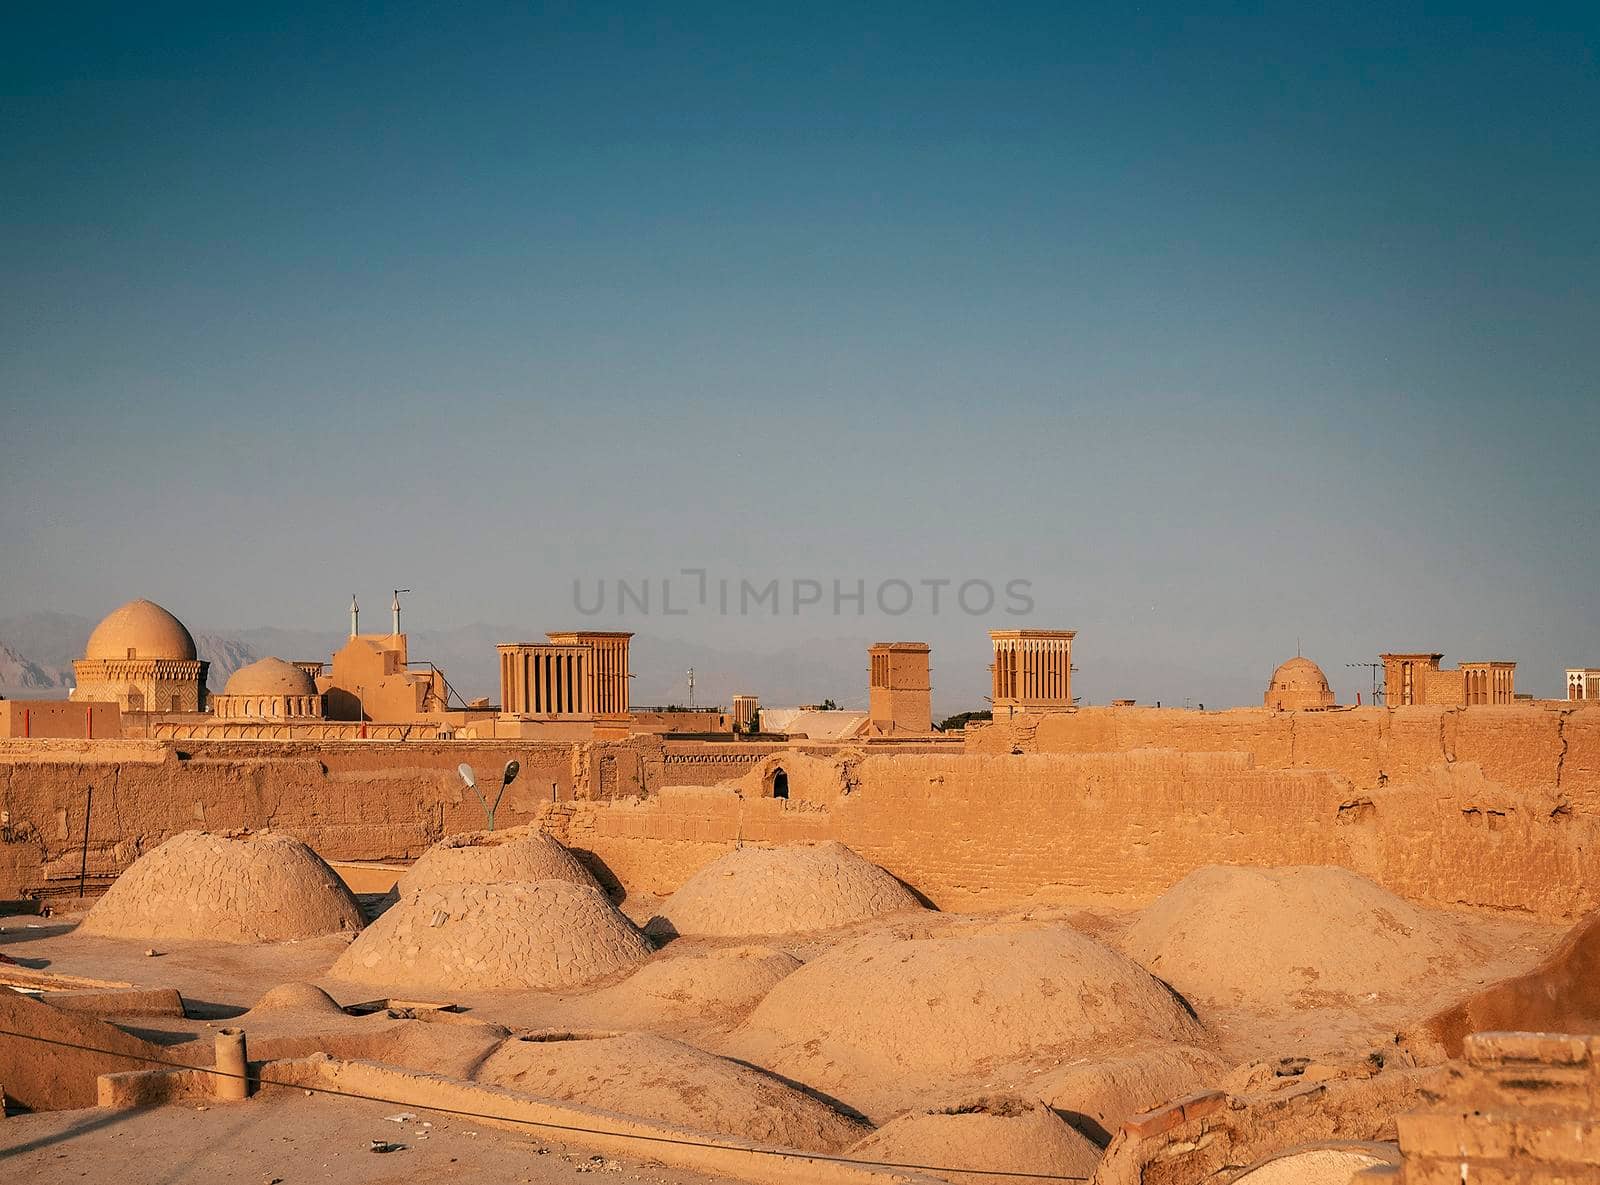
(1492,807)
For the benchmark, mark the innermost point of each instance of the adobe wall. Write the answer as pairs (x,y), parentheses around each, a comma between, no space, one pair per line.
(1519,1108)
(707,763)
(1523,747)
(59,718)
(348,800)
(257,728)
(671,722)
(979,831)
(1482,806)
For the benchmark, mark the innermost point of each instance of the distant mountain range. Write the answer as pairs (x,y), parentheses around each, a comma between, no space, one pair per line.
(22,674)
(37,651)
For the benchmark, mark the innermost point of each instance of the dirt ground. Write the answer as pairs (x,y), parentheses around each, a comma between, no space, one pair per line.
(292,1140)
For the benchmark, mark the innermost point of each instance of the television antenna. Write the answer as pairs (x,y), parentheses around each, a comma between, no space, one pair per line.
(691,688)
(1377,687)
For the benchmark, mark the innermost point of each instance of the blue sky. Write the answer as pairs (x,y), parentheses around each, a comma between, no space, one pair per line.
(1228,327)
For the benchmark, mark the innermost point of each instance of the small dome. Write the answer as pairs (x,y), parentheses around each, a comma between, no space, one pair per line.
(141,629)
(783,890)
(1298,683)
(296,997)
(240,887)
(270,676)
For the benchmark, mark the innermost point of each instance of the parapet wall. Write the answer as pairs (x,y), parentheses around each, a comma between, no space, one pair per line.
(1532,748)
(348,800)
(59,718)
(980,831)
(1494,807)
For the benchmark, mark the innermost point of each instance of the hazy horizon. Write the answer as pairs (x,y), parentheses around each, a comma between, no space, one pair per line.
(1229,334)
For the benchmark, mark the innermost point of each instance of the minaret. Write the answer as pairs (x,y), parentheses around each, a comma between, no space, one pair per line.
(355,616)
(395,607)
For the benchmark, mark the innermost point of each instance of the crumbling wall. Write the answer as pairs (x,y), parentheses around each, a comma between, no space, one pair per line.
(1481,806)
(977,831)
(656,844)
(1288,1111)
(56,1076)
(1520,1107)
(1534,748)
(350,801)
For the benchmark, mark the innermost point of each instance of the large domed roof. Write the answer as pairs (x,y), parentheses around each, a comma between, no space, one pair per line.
(1300,674)
(140,629)
(270,676)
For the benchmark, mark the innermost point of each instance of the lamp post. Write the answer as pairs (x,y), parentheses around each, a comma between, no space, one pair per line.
(508,776)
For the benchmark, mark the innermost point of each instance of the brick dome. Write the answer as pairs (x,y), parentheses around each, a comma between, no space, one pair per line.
(270,676)
(141,629)
(1298,683)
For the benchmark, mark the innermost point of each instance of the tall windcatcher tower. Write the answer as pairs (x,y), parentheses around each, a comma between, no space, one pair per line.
(1032,670)
(899,688)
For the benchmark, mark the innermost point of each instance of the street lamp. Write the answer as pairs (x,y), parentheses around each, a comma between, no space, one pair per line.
(471,779)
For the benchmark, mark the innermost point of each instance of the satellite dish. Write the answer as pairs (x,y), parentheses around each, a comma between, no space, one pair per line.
(512,769)
(467,776)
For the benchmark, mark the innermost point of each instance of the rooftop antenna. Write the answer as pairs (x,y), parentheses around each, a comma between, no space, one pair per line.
(396,608)
(355,616)
(1374,667)
(691,689)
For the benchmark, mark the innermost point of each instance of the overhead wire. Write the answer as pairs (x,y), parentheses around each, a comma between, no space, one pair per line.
(458,1113)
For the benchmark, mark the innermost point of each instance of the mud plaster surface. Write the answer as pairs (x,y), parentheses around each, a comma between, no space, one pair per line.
(294,1139)
(225,979)
(260,887)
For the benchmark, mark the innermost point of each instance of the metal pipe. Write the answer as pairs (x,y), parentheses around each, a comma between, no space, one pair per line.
(83,868)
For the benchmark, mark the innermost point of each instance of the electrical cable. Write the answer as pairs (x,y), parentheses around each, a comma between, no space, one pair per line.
(560,1127)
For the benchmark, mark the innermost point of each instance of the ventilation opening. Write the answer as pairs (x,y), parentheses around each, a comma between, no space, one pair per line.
(1002,1107)
(552,1036)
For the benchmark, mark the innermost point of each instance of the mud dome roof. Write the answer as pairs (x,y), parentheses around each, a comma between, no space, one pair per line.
(479,857)
(869,1014)
(642,1074)
(295,997)
(723,983)
(1299,674)
(1260,936)
(543,935)
(787,890)
(270,676)
(1008,1134)
(140,629)
(260,887)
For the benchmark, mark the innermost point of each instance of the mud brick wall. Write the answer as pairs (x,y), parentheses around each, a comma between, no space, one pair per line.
(1520,1107)
(348,800)
(980,831)
(1485,806)
(1522,747)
